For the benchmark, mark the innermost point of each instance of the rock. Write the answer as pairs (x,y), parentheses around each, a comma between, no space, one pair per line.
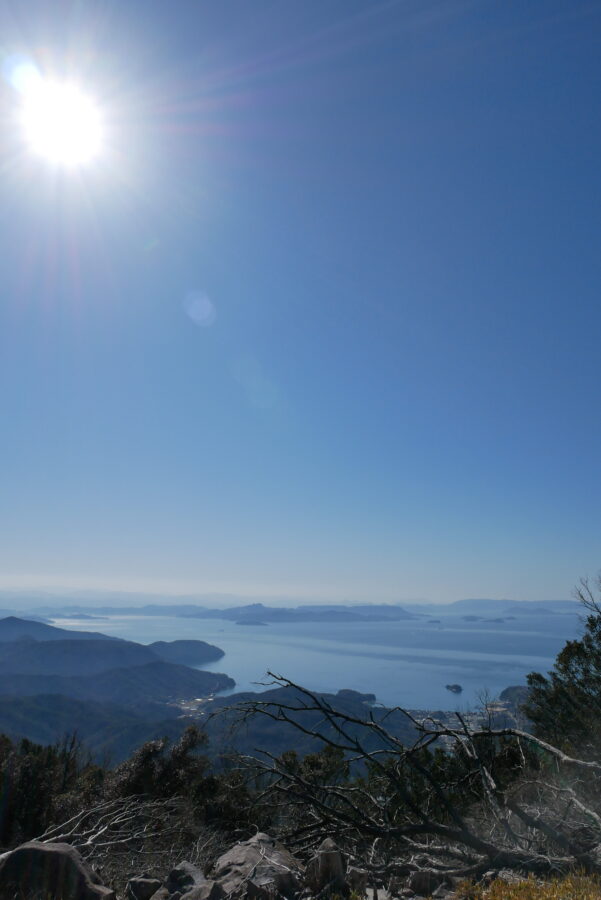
(327,868)
(258,868)
(210,890)
(184,877)
(357,880)
(142,888)
(488,877)
(425,881)
(161,894)
(49,870)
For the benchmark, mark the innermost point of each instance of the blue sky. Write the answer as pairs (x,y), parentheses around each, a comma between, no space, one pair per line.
(323,319)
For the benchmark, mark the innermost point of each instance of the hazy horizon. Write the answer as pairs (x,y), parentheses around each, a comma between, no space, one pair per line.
(55,596)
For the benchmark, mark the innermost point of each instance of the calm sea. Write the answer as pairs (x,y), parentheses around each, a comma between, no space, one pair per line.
(403,663)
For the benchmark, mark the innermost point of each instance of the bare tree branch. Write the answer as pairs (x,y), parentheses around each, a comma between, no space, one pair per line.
(413,817)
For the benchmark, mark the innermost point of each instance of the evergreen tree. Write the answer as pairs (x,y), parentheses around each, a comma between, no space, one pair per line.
(565,706)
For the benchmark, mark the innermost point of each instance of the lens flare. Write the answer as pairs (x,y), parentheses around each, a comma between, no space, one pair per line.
(200,308)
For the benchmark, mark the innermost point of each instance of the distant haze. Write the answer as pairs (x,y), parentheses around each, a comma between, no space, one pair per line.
(38,600)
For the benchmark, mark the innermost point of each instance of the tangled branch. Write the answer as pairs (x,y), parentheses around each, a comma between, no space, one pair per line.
(492,798)
(123,824)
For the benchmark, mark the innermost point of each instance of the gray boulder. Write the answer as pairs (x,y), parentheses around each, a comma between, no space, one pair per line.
(49,870)
(161,894)
(189,881)
(260,868)
(142,888)
(184,877)
(210,890)
(327,869)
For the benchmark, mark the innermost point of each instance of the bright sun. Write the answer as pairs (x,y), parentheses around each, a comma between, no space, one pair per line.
(61,123)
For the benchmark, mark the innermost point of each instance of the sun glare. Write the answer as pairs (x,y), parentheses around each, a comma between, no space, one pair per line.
(61,123)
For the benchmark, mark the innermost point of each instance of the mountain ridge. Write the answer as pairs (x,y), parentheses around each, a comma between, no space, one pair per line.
(152,682)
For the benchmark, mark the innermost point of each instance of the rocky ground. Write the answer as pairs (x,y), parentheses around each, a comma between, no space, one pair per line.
(257,869)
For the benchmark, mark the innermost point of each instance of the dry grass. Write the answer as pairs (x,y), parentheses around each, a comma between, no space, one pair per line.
(571,887)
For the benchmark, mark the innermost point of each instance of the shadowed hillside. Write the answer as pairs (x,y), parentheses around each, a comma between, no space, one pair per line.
(156,682)
(14,629)
(70,657)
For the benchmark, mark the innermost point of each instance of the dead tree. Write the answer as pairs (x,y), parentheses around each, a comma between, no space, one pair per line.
(460,800)
(124,824)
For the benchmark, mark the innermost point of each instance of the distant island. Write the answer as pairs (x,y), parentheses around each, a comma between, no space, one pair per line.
(469,610)
(260,614)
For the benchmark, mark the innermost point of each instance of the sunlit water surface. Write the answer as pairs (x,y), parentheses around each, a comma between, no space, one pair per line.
(404,663)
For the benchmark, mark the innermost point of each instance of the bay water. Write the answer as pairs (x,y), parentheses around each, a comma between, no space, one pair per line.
(404,663)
